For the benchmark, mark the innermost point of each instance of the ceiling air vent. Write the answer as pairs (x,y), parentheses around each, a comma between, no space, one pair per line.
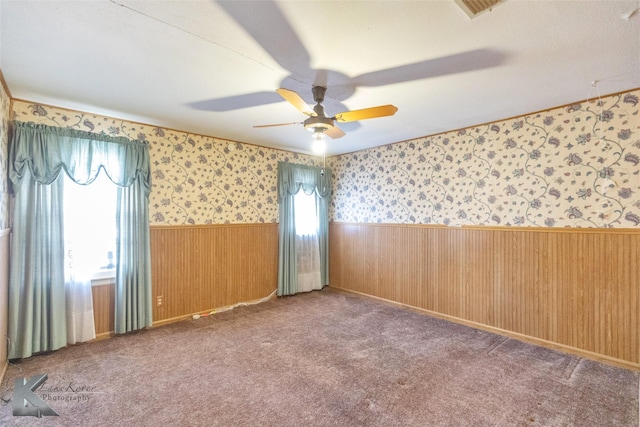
(475,7)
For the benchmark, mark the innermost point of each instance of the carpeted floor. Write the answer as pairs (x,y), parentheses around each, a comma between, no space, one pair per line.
(325,358)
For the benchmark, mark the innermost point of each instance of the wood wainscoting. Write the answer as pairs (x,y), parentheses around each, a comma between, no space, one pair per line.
(198,268)
(104,299)
(195,269)
(572,289)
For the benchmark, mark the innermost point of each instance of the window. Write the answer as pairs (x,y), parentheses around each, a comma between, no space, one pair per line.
(90,227)
(305,214)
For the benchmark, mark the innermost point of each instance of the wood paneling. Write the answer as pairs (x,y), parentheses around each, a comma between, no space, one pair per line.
(199,268)
(103,309)
(575,289)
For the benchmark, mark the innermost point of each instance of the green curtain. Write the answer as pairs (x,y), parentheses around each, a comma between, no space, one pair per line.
(38,153)
(291,179)
(133,308)
(37,316)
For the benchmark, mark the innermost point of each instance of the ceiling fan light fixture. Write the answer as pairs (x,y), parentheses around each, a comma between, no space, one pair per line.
(319,145)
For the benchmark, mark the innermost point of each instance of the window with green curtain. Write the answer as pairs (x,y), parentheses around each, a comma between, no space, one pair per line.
(39,154)
(293,179)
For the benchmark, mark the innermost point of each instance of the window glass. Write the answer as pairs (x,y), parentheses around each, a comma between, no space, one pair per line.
(305,214)
(90,226)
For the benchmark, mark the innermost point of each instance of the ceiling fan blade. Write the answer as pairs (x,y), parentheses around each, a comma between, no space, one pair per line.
(366,113)
(296,100)
(278,124)
(334,133)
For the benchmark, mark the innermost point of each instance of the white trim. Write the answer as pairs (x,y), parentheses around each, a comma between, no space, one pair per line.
(104,277)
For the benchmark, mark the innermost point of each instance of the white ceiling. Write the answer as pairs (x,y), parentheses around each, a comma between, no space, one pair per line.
(212,67)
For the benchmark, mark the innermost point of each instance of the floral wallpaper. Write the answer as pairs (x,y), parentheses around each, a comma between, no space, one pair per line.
(4,156)
(195,179)
(575,166)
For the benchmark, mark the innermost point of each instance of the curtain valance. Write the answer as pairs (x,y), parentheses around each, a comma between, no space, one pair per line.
(46,150)
(292,177)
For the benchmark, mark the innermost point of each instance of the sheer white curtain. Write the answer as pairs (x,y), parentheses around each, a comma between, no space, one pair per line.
(89,235)
(307,242)
(80,323)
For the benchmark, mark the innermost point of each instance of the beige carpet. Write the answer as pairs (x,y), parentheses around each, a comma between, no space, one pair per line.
(325,358)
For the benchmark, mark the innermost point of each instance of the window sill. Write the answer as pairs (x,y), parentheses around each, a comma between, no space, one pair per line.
(104,277)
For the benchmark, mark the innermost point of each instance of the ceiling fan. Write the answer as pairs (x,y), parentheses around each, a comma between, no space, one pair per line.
(318,122)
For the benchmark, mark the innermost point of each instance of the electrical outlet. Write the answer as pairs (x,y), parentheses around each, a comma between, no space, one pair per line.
(159,300)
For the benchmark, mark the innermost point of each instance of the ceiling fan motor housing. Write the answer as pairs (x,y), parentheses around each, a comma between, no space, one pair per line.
(318,124)
(318,93)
